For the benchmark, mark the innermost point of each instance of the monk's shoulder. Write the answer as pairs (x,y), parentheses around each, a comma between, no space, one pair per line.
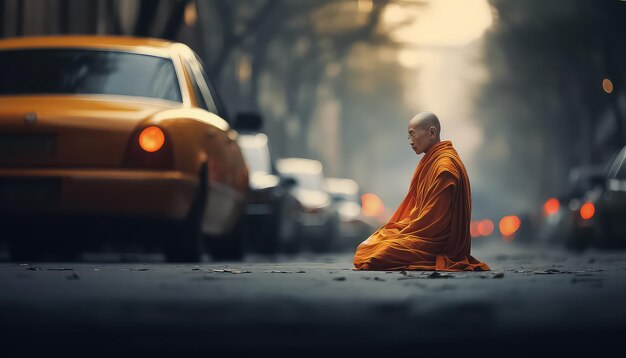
(446,165)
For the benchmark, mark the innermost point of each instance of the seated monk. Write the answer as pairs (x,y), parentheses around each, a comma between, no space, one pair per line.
(430,229)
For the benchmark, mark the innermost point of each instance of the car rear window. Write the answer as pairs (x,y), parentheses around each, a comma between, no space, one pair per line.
(79,71)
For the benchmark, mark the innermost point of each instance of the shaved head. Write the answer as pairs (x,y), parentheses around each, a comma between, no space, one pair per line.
(425,120)
(424,132)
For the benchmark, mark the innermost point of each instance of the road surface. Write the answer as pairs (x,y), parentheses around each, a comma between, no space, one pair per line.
(536,300)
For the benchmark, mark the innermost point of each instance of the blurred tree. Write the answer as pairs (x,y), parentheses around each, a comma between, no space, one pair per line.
(546,62)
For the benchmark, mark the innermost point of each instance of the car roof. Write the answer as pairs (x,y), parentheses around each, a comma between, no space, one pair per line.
(299,165)
(150,46)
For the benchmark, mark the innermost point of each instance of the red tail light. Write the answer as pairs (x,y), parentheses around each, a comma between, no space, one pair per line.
(551,206)
(587,211)
(151,139)
(149,148)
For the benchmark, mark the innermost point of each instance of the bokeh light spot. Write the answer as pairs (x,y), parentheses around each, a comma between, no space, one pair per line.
(587,211)
(372,205)
(485,227)
(509,225)
(551,206)
(607,85)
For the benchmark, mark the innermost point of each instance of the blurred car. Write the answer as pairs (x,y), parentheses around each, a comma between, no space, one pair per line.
(556,223)
(318,221)
(271,210)
(601,212)
(120,130)
(354,226)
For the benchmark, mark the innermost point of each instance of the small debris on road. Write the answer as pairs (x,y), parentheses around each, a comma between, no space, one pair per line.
(30,268)
(205,278)
(436,274)
(301,271)
(550,272)
(499,275)
(340,278)
(73,276)
(379,279)
(138,269)
(597,281)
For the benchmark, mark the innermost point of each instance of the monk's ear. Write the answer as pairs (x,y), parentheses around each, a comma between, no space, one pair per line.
(433,131)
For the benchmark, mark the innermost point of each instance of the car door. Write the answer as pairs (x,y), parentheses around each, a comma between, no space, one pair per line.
(223,196)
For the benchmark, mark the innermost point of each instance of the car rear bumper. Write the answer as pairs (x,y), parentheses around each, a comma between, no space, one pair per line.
(97,192)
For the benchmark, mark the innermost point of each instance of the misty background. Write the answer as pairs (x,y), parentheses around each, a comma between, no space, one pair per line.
(525,90)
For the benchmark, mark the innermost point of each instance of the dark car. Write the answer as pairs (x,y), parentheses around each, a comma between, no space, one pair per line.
(601,213)
(271,210)
(354,226)
(318,220)
(558,213)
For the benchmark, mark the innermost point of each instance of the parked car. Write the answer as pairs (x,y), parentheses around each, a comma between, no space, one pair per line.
(557,214)
(318,221)
(272,209)
(102,133)
(354,227)
(601,211)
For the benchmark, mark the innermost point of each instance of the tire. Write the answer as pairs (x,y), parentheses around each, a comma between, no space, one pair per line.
(23,246)
(25,251)
(184,241)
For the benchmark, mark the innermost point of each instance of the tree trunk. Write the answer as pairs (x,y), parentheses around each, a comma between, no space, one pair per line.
(175,19)
(145,18)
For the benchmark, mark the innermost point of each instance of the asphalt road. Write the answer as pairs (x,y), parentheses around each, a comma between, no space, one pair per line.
(537,300)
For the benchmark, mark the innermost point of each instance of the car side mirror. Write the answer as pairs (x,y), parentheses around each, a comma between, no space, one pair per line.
(248,121)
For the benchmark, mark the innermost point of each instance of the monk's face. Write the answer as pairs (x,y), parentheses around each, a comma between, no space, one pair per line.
(419,139)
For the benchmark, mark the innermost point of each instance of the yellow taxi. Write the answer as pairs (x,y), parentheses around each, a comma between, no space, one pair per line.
(121,129)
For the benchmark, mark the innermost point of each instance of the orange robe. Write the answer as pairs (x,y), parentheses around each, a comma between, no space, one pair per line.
(430,229)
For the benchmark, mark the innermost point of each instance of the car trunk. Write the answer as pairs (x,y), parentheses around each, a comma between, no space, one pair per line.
(70,131)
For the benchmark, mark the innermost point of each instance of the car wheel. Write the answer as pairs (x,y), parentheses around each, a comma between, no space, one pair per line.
(184,242)
(23,246)
(21,250)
